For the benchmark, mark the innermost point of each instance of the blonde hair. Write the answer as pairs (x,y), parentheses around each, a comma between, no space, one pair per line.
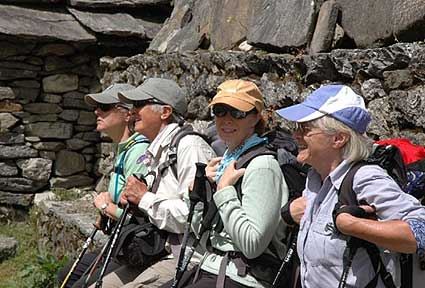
(358,146)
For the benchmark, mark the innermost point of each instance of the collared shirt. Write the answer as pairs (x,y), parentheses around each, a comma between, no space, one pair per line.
(321,248)
(167,208)
(131,165)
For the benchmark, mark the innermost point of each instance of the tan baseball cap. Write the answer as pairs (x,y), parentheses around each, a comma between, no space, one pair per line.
(240,94)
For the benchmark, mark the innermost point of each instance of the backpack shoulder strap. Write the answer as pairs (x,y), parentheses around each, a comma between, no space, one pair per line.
(253,152)
(346,194)
(184,131)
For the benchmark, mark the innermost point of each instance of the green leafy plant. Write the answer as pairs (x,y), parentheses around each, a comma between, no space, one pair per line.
(42,272)
(32,266)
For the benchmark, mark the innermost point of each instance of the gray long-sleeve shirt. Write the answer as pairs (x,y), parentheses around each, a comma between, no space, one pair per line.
(321,248)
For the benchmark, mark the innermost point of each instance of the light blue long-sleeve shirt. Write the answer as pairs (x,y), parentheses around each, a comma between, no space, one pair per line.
(321,248)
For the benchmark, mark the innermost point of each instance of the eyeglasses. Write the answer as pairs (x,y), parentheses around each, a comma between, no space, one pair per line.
(143,103)
(305,129)
(221,111)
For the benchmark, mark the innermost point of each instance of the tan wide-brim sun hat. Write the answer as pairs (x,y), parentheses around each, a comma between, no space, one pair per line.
(240,94)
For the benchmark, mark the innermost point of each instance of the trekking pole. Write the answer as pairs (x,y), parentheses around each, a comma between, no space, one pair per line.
(80,256)
(288,257)
(93,266)
(352,246)
(114,239)
(195,196)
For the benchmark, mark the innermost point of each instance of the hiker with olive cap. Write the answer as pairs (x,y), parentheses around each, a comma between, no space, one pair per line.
(330,131)
(159,106)
(113,119)
(248,199)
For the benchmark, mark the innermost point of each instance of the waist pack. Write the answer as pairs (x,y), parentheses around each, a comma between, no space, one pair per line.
(140,244)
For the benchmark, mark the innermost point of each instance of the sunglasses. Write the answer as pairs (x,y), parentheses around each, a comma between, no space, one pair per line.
(221,111)
(105,107)
(143,103)
(108,107)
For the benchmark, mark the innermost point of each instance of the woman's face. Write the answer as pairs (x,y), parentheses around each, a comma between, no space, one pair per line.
(314,145)
(235,131)
(111,118)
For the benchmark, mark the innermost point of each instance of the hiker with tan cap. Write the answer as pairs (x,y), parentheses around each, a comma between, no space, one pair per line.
(251,223)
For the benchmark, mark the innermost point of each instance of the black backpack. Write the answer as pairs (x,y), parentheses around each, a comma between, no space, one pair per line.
(389,158)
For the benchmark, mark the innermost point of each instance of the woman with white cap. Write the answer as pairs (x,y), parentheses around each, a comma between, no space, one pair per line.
(114,120)
(330,132)
(251,223)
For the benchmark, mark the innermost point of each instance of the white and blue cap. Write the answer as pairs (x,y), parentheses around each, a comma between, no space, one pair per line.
(337,101)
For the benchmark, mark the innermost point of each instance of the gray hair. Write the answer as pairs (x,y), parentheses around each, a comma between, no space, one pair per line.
(160,108)
(358,146)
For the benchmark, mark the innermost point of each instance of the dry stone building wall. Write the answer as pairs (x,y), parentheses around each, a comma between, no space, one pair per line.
(49,58)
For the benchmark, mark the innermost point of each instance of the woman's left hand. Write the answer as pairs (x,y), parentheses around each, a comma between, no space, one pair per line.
(230,176)
(102,198)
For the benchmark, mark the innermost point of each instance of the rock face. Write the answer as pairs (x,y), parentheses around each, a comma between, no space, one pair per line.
(63,226)
(287,25)
(279,25)
(41,24)
(119,24)
(381,22)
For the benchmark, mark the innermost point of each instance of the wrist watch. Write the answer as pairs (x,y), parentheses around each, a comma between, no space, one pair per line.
(103,207)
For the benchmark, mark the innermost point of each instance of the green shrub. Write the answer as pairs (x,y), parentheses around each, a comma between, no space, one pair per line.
(42,272)
(32,267)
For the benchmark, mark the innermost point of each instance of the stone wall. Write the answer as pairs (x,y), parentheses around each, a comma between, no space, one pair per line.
(391,79)
(47,137)
(49,55)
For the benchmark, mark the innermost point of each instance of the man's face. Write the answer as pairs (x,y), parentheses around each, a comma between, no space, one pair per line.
(147,121)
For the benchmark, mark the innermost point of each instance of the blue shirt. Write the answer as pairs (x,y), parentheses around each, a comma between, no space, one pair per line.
(321,248)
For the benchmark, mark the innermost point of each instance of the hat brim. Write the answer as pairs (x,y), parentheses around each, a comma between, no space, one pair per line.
(102,98)
(232,101)
(133,95)
(299,113)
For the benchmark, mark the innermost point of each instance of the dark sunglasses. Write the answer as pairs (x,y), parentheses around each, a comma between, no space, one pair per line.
(108,107)
(221,111)
(105,107)
(143,103)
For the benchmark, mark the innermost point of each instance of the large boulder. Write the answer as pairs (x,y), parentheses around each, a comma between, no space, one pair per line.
(186,28)
(230,28)
(41,24)
(117,24)
(379,22)
(282,25)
